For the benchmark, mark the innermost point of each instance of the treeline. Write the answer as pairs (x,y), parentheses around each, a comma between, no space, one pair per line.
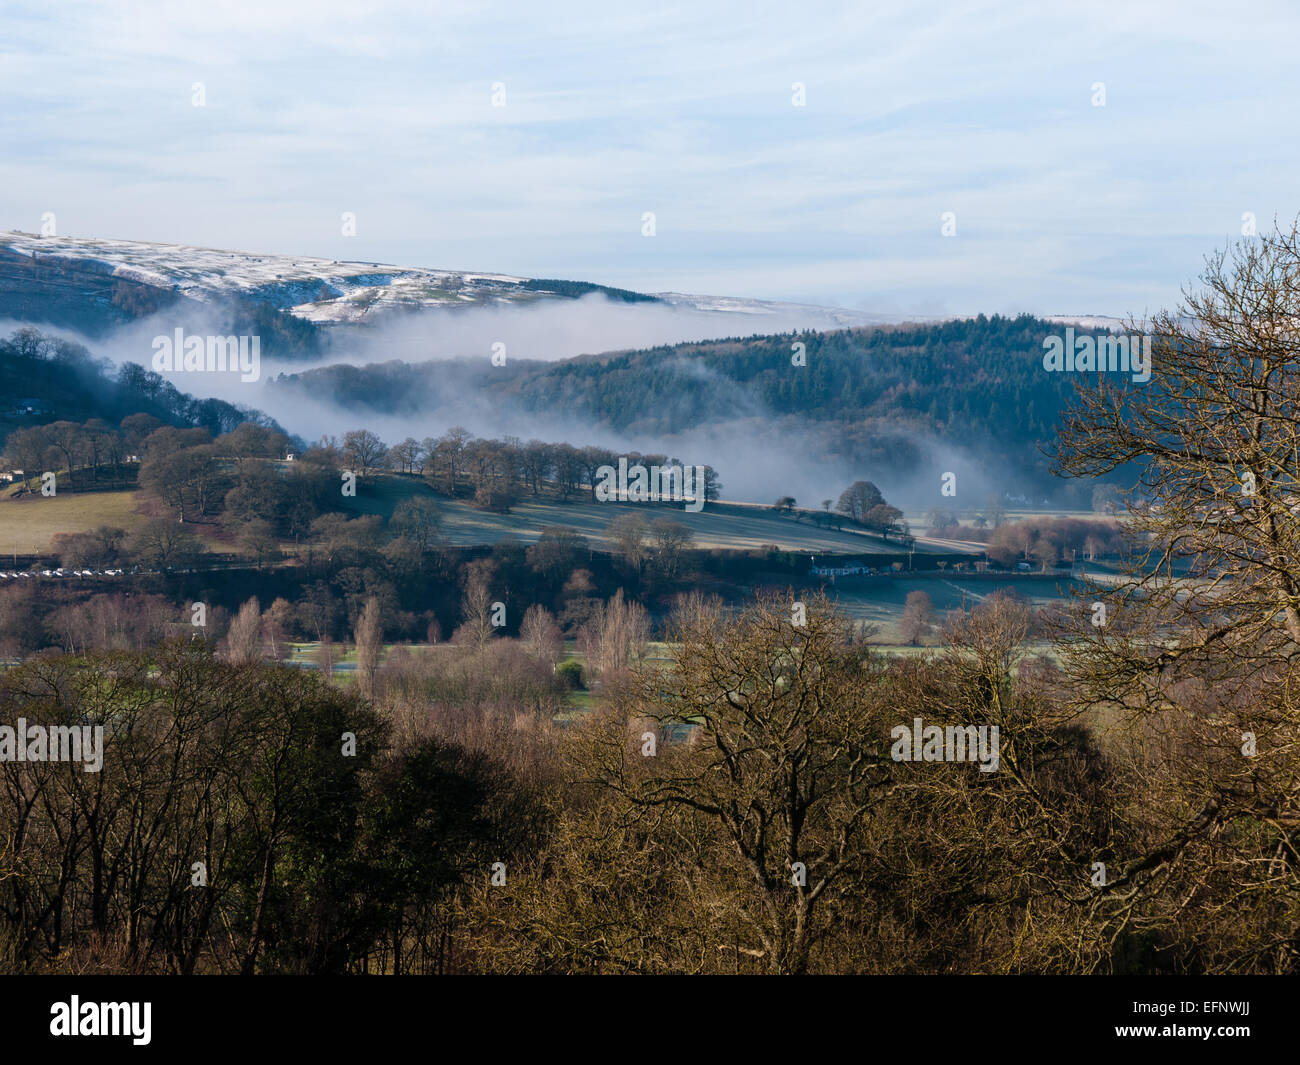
(1046,541)
(1051,541)
(861,504)
(95,454)
(583,288)
(494,473)
(244,478)
(69,384)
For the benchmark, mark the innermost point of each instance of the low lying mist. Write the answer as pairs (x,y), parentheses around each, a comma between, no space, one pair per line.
(758,455)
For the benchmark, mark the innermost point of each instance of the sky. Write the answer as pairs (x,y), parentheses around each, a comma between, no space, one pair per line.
(1087,155)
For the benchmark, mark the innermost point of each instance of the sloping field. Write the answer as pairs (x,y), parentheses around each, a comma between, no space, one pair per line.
(739,526)
(27,524)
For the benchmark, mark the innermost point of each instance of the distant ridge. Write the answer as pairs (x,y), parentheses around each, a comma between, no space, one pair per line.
(93,284)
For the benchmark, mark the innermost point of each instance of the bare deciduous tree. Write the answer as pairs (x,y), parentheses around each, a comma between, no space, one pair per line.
(1190,656)
(244,640)
(541,635)
(918,613)
(476,626)
(369,638)
(615,637)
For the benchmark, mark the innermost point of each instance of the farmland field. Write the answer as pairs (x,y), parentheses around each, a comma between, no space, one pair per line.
(739,526)
(27,524)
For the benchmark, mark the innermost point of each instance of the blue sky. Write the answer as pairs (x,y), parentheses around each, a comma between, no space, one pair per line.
(913,109)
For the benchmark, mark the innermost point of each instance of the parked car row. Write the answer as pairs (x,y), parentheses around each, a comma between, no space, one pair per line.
(21,574)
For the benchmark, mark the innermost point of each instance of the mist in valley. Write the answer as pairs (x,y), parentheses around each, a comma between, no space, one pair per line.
(759,455)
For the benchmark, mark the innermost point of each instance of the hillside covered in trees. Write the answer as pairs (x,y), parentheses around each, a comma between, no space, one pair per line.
(45,379)
(867,396)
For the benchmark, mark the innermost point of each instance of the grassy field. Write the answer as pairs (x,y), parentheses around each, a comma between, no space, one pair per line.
(739,526)
(27,524)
